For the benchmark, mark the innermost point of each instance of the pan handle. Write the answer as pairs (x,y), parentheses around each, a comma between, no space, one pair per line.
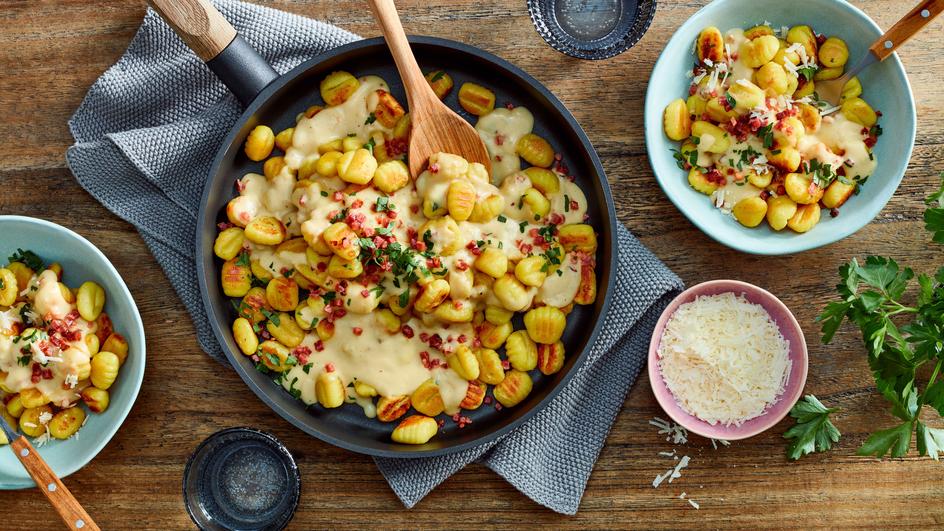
(214,40)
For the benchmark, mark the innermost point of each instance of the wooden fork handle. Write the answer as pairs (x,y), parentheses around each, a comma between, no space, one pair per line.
(199,25)
(385,12)
(907,27)
(46,480)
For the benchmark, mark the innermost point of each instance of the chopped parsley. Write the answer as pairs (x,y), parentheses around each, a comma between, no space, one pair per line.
(243,259)
(566,203)
(296,393)
(340,215)
(551,257)
(521,226)
(383,204)
(404,299)
(502,218)
(271,316)
(436,77)
(307,367)
(369,146)
(327,297)
(822,174)
(766,134)
(730,99)
(371,118)
(29,259)
(428,240)
(324,193)
(808,71)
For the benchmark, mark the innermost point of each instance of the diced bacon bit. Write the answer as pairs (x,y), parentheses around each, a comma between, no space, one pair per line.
(574,205)
(461,339)
(369,232)
(461,420)
(224,225)
(461,265)
(441,422)
(764,195)
(506,364)
(357,330)
(301,353)
(714,176)
(433,262)
(878,113)
(498,407)
(525,248)
(498,158)
(499,139)
(476,342)
(322,267)
(555,218)
(395,146)
(820,39)
(792,111)
(338,196)
(424,337)
(414,208)
(319,345)
(365,293)
(265,334)
(357,203)
(240,185)
(429,363)
(510,106)
(329,367)
(37,373)
(434,168)
(725,104)
(254,358)
(833,212)
(407,331)
(47,374)
(692,89)
(473,247)
(392,214)
(435,341)
(586,217)
(487,400)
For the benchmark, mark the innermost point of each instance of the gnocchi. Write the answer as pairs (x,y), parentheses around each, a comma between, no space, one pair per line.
(752,129)
(59,351)
(355,283)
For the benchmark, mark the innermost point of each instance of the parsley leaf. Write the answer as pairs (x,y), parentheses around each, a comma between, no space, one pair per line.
(371,118)
(369,146)
(900,340)
(436,77)
(29,259)
(808,72)
(730,99)
(813,431)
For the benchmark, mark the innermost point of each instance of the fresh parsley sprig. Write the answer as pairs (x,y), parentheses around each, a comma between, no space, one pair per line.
(873,298)
(29,259)
(813,431)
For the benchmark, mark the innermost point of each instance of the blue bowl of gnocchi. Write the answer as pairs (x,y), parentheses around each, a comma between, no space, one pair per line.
(71,346)
(741,143)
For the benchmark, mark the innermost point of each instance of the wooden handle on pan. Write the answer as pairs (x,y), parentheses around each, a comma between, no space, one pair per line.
(907,27)
(46,480)
(199,25)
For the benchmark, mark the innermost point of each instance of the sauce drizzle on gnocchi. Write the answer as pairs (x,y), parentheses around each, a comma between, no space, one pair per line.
(354,283)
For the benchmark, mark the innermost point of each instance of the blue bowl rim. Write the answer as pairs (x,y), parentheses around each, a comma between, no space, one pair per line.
(137,328)
(799,243)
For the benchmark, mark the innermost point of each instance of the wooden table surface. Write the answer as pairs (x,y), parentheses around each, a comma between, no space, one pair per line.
(52,51)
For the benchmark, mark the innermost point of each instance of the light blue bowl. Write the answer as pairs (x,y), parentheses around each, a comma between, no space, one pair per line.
(885,86)
(80,261)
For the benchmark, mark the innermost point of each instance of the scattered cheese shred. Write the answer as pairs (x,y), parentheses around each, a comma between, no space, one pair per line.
(724,358)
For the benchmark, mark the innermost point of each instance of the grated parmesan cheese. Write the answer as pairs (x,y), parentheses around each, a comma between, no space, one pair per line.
(723,358)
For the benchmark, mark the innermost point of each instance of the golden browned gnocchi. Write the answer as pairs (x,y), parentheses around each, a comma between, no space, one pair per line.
(58,349)
(354,283)
(755,136)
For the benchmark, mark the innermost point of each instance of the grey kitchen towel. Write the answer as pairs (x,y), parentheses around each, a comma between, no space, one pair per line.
(145,136)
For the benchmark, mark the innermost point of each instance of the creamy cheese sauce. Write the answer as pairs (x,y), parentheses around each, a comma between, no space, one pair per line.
(500,130)
(19,352)
(837,142)
(361,349)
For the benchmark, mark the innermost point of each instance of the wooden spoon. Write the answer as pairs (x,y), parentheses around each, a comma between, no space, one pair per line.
(435,127)
(46,480)
(904,29)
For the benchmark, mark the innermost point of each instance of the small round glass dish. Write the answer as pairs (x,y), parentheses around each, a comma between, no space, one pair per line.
(591,29)
(241,478)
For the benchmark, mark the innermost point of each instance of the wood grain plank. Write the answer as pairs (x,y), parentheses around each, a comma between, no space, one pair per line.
(52,50)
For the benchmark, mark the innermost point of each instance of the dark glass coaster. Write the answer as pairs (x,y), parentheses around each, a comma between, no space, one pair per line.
(591,29)
(241,478)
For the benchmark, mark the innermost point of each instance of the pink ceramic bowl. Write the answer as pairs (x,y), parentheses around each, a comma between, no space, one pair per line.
(798,356)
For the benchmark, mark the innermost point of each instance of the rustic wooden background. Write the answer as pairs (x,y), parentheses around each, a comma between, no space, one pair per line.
(52,51)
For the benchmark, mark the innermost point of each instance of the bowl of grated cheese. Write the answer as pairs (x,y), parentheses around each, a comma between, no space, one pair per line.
(727,360)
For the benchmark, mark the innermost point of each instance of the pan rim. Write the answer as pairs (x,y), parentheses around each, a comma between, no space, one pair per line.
(204,260)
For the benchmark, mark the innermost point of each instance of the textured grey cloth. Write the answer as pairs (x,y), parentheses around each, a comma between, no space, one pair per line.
(145,138)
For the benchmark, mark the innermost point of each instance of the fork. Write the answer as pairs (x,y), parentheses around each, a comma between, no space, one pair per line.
(916,19)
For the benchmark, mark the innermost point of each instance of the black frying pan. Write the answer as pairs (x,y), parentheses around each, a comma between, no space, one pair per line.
(275,101)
